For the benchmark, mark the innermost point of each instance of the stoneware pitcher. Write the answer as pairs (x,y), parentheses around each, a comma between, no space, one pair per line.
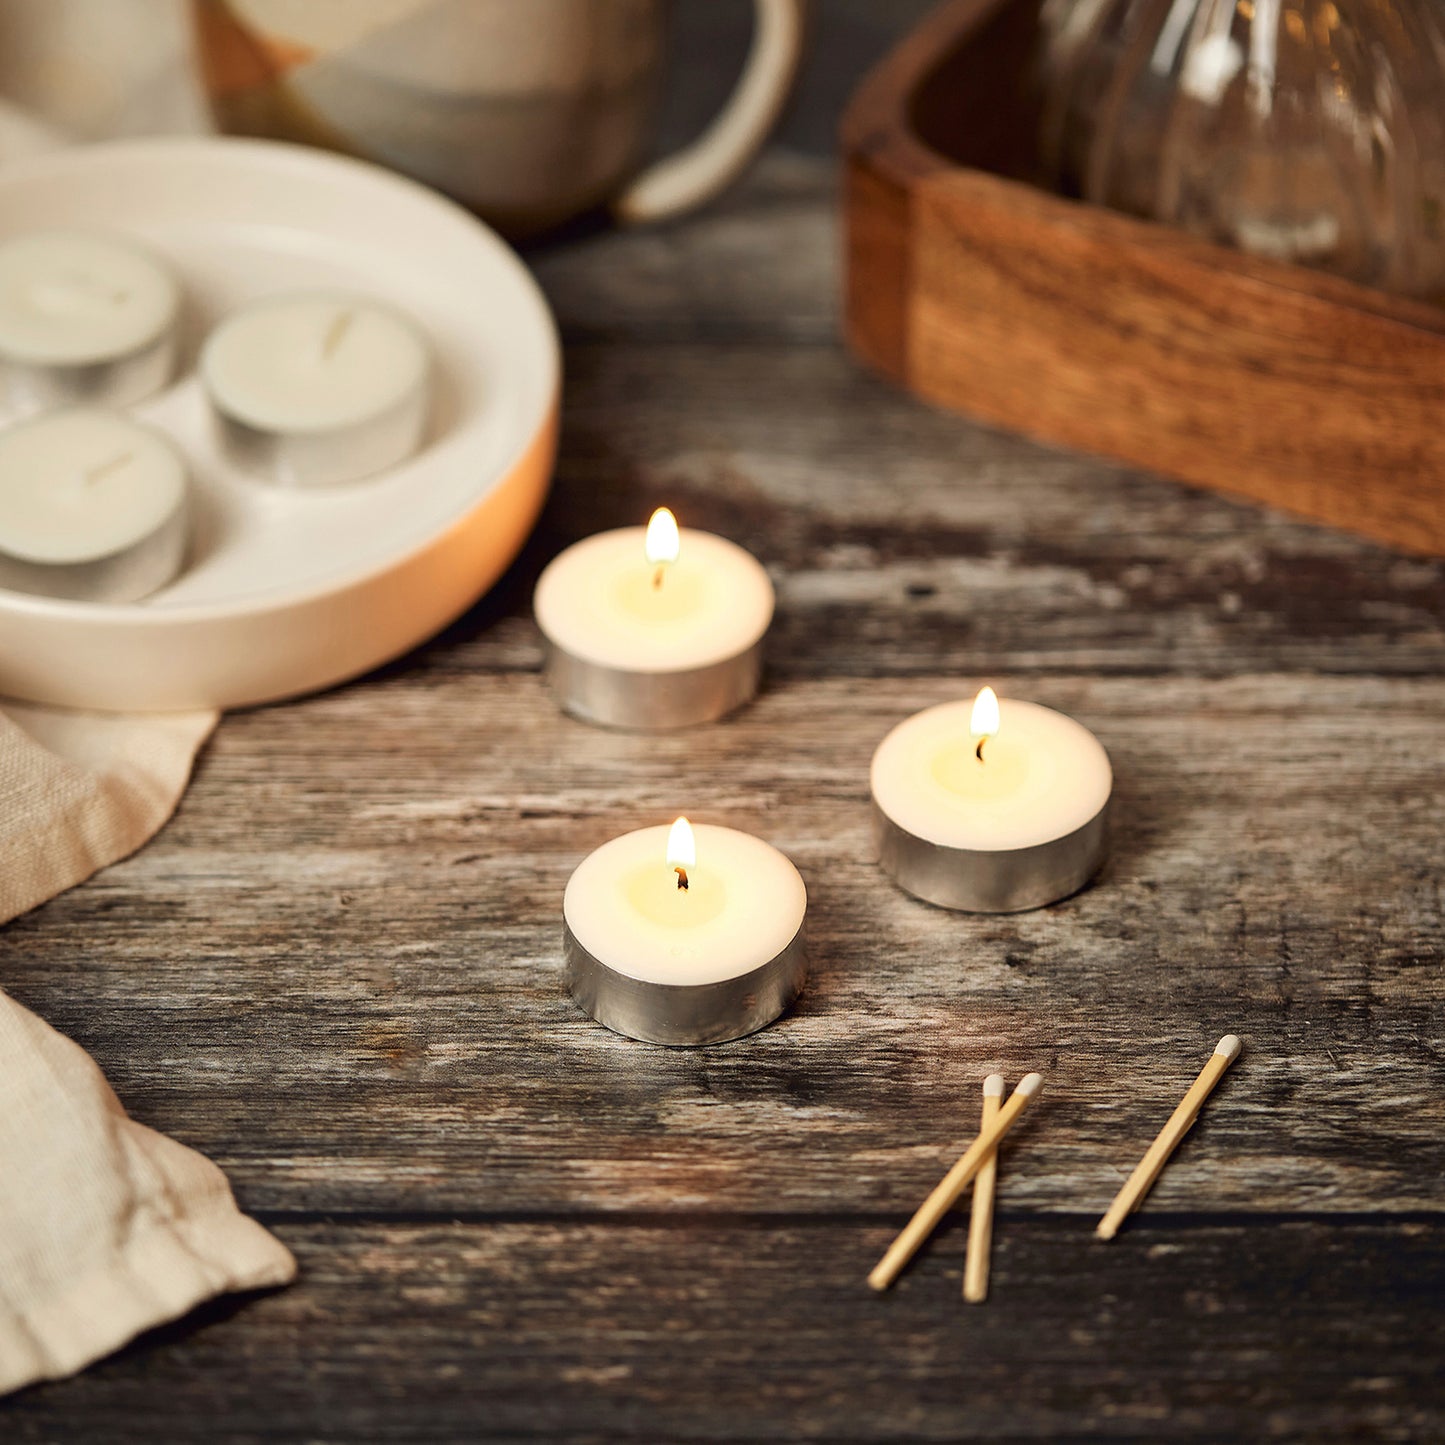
(528,111)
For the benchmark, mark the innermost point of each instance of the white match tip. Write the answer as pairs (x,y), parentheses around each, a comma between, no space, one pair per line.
(993,1087)
(1029,1085)
(1228,1046)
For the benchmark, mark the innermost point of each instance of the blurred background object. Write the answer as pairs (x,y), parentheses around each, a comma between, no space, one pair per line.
(529,113)
(1308,131)
(87,70)
(96,69)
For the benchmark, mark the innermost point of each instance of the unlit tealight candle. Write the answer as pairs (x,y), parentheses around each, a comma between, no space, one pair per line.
(85,317)
(93,507)
(317,389)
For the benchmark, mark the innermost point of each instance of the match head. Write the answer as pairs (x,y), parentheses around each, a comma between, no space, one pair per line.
(993,1087)
(1029,1085)
(1228,1046)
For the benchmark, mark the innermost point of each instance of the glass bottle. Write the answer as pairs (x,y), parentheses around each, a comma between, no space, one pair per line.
(1310,131)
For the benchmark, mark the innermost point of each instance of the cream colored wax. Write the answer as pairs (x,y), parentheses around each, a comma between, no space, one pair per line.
(313,363)
(80,491)
(743,905)
(78,298)
(605,602)
(1041,776)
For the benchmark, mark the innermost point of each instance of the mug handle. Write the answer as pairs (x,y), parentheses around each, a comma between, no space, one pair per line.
(715,160)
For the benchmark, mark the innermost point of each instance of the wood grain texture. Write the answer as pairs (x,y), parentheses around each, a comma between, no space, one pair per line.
(367,971)
(586,1331)
(1096,330)
(903,542)
(337,971)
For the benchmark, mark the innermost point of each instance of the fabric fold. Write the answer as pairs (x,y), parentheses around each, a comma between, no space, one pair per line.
(81,790)
(106,1227)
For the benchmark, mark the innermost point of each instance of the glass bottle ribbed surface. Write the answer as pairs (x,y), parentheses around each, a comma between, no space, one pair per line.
(1311,131)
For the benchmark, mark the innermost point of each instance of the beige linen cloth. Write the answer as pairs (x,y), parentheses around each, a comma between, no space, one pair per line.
(106,1227)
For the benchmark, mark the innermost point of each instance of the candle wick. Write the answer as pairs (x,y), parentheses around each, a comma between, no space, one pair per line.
(94,474)
(657,587)
(978,751)
(681,877)
(335,332)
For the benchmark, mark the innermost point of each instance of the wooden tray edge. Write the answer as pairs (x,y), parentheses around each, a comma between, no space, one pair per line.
(902,200)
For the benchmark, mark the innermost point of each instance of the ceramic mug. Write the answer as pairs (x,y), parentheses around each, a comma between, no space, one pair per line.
(528,111)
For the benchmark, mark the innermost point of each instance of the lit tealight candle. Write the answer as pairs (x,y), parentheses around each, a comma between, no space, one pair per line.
(993,806)
(84,317)
(654,628)
(92,507)
(685,936)
(315,390)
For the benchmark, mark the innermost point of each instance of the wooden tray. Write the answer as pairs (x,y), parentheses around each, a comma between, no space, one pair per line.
(979,290)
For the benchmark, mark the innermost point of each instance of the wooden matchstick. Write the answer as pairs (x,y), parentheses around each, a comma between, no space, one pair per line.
(1180,1122)
(980,1221)
(951,1186)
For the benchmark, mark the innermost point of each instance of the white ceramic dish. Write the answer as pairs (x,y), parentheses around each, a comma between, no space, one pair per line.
(287,591)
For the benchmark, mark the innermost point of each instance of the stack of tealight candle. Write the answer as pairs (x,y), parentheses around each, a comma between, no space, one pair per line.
(687,935)
(304,391)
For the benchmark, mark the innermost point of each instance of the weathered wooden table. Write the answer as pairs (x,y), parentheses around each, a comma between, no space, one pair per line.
(337,971)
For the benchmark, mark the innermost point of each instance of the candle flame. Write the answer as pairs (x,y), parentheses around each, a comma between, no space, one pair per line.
(662,543)
(983,720)
(681,846)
